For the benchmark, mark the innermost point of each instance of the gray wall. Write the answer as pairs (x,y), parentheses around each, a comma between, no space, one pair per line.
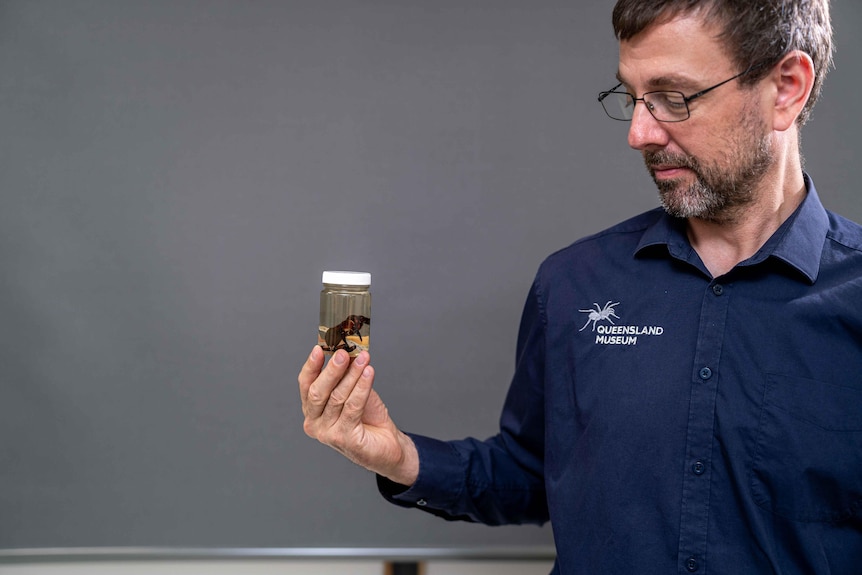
(177,173)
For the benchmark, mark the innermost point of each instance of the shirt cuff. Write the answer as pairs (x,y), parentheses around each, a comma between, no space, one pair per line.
(440,481)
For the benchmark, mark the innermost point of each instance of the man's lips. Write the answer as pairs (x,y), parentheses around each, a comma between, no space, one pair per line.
(668,171)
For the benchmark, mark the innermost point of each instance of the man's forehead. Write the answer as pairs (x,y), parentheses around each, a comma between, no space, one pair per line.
(679,52)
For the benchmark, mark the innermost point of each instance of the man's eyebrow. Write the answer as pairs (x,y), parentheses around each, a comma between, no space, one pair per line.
(676,81)
(669,81)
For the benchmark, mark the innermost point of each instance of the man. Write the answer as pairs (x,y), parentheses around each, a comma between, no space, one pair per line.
(688,390)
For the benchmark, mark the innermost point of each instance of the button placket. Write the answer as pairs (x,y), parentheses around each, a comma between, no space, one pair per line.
(695,509)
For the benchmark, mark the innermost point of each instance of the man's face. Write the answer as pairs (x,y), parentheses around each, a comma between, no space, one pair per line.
(708,166)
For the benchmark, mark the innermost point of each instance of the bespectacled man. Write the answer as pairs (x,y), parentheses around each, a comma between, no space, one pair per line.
(708,417)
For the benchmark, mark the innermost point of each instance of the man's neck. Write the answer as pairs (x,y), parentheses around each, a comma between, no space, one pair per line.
(721,245)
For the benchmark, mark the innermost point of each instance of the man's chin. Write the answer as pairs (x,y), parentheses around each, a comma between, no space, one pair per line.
(675,210)
(688,208)
(677,201)
(670,189)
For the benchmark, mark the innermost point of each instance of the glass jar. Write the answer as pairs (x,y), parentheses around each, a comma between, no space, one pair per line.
(345,312)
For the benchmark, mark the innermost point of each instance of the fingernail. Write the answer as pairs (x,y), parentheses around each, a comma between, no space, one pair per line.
(361,359)
(339,358)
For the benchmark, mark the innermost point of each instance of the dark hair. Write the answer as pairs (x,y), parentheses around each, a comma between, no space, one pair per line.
(757,33)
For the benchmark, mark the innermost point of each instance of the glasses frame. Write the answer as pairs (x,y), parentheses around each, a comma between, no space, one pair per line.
(649,106)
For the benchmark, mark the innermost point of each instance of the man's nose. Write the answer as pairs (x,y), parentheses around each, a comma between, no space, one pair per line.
(645,131)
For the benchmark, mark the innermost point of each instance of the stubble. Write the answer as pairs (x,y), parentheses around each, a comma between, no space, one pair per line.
(721,190)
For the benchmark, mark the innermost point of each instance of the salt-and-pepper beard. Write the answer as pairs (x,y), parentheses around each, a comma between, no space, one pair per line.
(719,191)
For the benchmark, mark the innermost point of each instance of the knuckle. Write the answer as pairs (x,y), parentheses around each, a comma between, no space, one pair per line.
(331,439)
(337,397)
(354,404)
(315,397)
(310,429)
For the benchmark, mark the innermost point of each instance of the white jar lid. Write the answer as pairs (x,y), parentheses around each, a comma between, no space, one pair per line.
(347,278)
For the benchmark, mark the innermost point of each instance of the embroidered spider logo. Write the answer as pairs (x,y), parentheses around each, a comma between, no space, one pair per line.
(599,314)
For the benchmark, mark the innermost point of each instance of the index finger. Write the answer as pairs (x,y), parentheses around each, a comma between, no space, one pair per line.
(310,371)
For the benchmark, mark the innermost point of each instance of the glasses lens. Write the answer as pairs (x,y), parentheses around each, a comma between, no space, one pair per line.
(667,106)
(618,105)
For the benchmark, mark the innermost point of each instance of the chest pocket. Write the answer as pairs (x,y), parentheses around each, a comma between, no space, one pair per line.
(808,461)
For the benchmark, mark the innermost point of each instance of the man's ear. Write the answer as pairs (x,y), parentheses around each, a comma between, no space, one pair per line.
(794,79)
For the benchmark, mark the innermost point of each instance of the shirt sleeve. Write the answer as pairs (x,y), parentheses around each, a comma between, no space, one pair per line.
(499,480)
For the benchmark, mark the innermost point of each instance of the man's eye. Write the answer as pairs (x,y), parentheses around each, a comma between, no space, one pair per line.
(670,99)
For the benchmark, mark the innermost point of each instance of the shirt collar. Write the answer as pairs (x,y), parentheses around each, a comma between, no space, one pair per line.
(798,242)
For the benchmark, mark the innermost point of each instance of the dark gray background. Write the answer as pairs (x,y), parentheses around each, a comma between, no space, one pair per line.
(176,174)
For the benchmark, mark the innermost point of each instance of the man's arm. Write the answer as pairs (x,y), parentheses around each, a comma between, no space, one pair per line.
(499,480)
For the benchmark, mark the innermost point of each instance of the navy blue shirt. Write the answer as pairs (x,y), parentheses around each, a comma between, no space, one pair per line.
(666,421)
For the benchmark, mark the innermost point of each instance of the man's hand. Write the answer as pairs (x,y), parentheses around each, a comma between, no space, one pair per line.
(343,411)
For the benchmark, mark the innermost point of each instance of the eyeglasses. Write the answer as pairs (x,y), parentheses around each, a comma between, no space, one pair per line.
(664,105)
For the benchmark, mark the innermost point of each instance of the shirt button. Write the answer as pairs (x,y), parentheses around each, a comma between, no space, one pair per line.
(698,468)
(718,289)
(421,503)
(691,565)
(705,373)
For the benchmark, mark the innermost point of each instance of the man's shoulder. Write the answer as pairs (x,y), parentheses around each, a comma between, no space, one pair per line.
(621,236)
(844,232)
